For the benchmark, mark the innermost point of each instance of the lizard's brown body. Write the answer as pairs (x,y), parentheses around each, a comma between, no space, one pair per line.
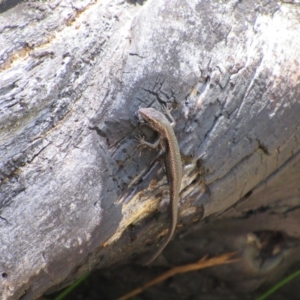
(169,144)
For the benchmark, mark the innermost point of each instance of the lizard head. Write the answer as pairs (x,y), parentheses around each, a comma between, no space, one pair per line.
(152,117)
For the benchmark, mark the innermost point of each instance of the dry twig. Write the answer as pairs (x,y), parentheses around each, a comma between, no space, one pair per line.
(201,264)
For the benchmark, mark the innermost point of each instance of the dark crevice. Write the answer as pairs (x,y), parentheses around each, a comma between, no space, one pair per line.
(248,194)
(268,241)
(263,148)
(1,218)
(8,4)
(161,101)
(99,131)
(135,2)
(257,211)
(37,154)
(135,54)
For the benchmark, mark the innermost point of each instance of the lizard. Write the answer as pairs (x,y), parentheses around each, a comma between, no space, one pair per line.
(169,145)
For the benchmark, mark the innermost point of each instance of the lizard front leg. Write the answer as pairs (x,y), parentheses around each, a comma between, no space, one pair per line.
(142,141)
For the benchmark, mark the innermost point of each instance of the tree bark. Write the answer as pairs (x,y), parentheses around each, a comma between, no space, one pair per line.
(76,192)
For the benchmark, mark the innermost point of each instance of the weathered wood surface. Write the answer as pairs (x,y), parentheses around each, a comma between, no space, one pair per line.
(76,192)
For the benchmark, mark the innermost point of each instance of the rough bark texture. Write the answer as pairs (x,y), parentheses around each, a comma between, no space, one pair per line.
(77,193)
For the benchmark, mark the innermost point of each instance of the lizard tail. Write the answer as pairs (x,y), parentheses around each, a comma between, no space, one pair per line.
(163,245)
